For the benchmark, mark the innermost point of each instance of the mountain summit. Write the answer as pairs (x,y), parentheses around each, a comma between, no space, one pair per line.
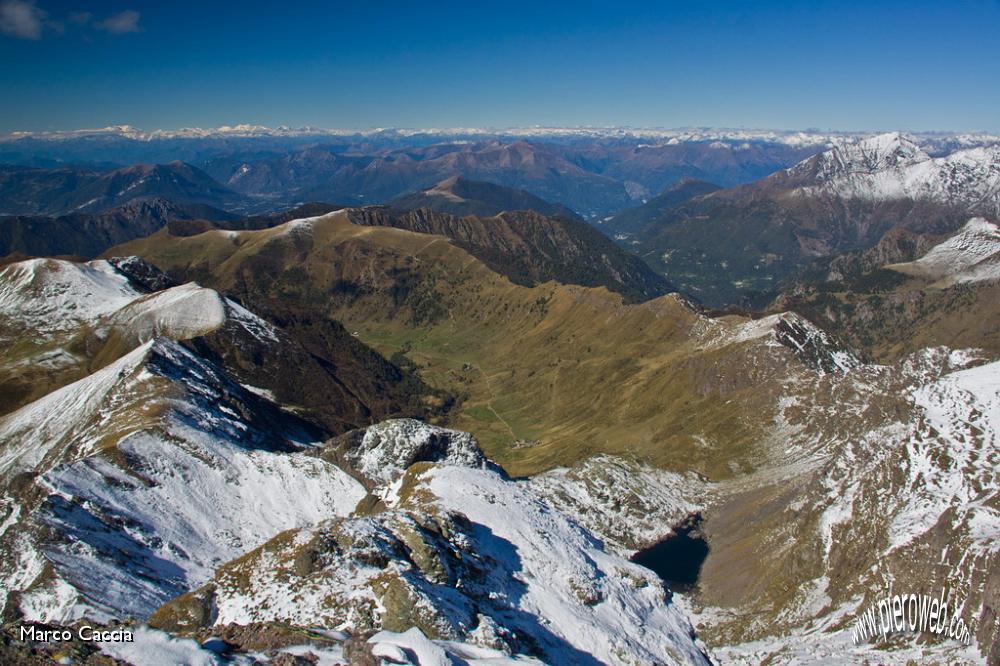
(893,167)
(461,196)
(869,155)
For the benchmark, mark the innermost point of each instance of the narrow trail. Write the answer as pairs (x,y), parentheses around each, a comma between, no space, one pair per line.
(489,403)
(432,242)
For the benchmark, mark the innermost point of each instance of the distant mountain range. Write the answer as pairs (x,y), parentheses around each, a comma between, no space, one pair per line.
(324,174)
(680,135)
(595,172)
(31,191)
(740,244)
(593,179)
(86,235)
(461,196)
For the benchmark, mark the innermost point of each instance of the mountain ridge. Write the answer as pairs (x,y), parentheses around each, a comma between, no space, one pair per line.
(531,248)
(87,235)
(33,191)
(634,220)
(462,197)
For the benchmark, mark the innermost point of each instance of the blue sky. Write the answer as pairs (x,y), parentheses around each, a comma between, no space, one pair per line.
(789,65)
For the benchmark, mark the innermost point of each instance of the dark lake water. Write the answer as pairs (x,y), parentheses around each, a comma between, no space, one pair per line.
(677,559)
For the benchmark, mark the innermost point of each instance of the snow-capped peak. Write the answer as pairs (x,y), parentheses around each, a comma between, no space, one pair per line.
(181,312)
(55,297)
(869,155)
(887,150)
(893,167)
(50,294)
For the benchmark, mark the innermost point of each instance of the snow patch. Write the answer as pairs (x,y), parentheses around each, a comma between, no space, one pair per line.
(151,647)
(589,598)
(181,313)
(971,255)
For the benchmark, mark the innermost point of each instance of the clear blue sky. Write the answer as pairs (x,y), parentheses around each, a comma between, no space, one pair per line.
(835,65)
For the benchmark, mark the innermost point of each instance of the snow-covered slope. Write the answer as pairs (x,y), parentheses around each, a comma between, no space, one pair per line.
(151,647)
(68,421)
(892,166)
(47,295)
(865,156)
(464,554)
(971,255)
(51,296)
(598,603)
(630,505)
(151,473)
(182,312)
(812,345)
(382,452)
(883,476)
(954,460)
(84,316)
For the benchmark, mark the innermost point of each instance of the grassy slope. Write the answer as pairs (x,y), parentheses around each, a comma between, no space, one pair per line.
(550,374)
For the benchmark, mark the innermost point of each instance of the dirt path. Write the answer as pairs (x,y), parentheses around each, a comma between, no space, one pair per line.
(489,403)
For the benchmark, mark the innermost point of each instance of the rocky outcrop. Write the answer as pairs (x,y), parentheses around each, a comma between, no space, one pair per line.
(380,454)
(465,554)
